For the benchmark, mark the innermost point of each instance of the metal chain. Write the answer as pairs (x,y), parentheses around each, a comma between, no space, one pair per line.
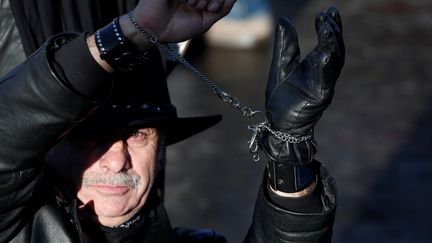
(284,137)
(170,50)
(224,96)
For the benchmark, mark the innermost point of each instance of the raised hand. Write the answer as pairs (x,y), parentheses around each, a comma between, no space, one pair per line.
(299,91)
(179,20)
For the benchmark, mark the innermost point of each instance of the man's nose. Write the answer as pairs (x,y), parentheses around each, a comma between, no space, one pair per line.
(116,158)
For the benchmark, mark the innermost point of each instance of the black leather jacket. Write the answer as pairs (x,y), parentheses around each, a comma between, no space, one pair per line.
(36,108)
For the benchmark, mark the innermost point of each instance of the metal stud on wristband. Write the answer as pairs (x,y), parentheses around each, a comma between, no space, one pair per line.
(116,49)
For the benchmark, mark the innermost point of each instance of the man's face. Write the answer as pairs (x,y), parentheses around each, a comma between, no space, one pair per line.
(115,173)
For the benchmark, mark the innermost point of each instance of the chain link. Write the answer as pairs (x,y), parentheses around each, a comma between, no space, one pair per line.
(285,137)
(258,129)
(170,50)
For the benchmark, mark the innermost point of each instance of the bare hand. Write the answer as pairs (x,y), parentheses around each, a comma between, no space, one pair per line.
(179,20)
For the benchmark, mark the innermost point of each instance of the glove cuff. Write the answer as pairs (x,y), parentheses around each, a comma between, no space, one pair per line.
(293,154)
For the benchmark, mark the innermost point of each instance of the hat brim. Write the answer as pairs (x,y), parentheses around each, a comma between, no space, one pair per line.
(178,129)
(175,128)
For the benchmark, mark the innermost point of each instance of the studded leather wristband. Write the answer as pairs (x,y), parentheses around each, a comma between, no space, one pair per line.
(116,49)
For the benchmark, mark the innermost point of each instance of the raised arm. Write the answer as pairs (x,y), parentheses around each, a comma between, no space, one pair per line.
(298,198)
(169,21)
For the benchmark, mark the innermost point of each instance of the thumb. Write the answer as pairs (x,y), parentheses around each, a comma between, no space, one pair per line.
(286,50)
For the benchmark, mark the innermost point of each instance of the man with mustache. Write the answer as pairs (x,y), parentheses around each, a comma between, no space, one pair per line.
(86,119)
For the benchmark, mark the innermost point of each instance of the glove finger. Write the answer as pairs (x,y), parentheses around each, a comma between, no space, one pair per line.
(333,13)
(331,54)
(286,56)
(319,19)
(338,34)
(330,37)
(286,50)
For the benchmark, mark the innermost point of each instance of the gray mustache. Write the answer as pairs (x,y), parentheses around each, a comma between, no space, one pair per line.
(120,179)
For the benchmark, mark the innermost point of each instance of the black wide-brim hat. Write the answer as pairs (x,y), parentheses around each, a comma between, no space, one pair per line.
(140,99)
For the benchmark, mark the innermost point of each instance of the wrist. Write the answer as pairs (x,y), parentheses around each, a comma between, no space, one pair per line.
(285,178)
(288,152)
(304,192)
(91,44)
(306,201)
(147,23)
(138,40)
(115,49)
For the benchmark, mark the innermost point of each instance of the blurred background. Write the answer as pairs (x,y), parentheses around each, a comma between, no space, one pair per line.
(374,138)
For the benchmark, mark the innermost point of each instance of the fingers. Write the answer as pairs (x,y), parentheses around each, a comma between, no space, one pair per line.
(286,50)
(331,49)
(216,9)
(201,4)
(335,16)
(319,19)
(213,6)
(329,29)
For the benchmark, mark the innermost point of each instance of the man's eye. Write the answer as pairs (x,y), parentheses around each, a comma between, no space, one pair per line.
(136,135)
(137,138)
(140,137)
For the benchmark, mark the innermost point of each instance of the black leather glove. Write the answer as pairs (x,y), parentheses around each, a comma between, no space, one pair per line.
(297,94)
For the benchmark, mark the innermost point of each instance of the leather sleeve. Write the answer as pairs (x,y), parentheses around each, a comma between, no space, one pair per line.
(272,223)
(36,109)
(11,48)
